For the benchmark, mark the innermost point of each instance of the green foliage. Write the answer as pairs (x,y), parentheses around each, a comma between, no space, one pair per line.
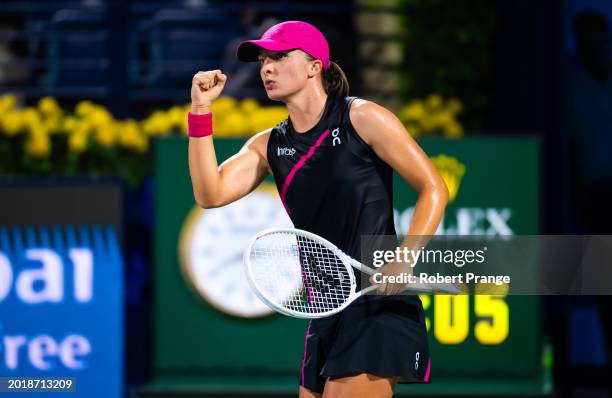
(448,50)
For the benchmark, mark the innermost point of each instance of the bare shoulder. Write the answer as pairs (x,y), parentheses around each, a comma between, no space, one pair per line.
(259,142)
(259,145)
(367,117)
(363,110)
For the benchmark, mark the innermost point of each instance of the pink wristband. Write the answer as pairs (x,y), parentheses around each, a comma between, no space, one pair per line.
(199,125)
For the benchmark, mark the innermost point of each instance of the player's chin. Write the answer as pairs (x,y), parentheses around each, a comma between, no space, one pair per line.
(274,95)
(282,94)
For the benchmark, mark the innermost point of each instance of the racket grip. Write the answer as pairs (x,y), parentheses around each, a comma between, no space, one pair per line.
(363,268)
(368,289)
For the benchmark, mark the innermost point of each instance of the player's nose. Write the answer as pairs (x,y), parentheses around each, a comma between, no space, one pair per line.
(267,66)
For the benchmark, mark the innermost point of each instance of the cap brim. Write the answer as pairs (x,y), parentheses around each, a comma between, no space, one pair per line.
(248,51)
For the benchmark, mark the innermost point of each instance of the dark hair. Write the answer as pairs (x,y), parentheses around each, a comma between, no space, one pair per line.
(334,80)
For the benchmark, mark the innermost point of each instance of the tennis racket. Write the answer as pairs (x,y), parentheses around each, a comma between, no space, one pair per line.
(300,274)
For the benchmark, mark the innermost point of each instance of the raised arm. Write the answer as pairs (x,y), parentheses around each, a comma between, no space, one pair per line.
(215,185)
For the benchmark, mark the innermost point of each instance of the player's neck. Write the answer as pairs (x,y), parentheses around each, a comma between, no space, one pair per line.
(306,108)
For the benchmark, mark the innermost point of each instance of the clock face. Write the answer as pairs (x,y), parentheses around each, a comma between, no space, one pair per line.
(212,244)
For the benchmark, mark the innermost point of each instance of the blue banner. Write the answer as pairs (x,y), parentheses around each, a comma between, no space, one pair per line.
(61,306)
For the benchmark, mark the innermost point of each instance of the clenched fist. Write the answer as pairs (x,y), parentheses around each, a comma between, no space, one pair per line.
(205,88)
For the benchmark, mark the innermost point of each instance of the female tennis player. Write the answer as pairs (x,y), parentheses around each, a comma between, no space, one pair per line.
(332,160)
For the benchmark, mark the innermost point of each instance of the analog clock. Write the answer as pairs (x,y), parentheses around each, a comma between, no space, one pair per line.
(212,243)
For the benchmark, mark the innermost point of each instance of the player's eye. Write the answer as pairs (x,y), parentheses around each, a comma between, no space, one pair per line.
(274,56)
(281,55)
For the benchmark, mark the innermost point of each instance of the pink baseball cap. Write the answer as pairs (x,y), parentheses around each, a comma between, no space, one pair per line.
(289,35)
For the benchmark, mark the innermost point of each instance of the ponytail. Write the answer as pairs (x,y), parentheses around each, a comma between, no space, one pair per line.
(335,82)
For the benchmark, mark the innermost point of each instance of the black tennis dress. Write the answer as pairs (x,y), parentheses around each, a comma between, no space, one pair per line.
(334,185)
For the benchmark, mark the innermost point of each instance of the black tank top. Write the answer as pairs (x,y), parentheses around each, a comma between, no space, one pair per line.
(330,181)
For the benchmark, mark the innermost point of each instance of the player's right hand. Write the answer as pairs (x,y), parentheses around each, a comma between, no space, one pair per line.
(206,87)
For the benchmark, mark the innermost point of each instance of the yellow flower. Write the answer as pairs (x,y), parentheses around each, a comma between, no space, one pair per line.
(266,118)
(7,102)
(223,105)
(69,124)
(37,127)
(83,108)
(249,105)
(77,141)
(131,137)
(52,123)
(12,123)
(428,123)
(183,126)
(176,114)
(413,111)
(453,130)
(454,105)
(233,124)
(31,116)
(432,116)
(83,127)
(48,106)
(99,116)
(157,124)
(105,135)
(441,119)
(434,101)
(38,145)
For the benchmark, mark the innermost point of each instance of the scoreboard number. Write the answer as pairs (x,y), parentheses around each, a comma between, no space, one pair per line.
(451,316)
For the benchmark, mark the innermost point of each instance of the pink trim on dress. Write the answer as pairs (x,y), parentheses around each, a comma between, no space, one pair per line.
(304,358)
(298,166)
(428,370)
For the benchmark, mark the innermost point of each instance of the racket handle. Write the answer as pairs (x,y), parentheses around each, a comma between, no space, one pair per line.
(416,290)
(363,268)
(368,289)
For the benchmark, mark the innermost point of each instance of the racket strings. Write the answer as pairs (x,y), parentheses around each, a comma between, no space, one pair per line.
(324,276)
(299,273)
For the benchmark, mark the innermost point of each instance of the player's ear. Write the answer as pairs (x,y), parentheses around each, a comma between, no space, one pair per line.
(315,68)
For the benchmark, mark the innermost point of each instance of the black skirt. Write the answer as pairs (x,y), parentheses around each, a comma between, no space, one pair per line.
(384,336)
